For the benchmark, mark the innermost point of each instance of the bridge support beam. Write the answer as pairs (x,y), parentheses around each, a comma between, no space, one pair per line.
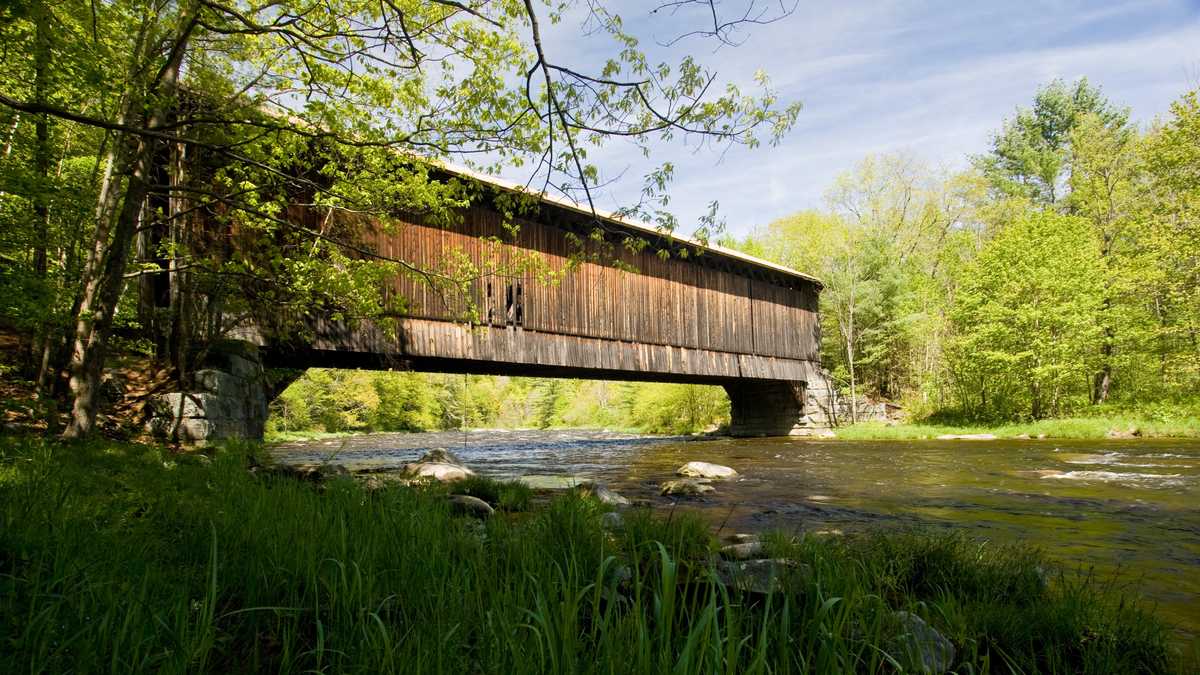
(768,408)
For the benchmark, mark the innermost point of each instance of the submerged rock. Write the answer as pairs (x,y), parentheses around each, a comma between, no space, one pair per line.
(687,487)
(705,470)
(967,437)
(920,647)
(551,482)
(470,506)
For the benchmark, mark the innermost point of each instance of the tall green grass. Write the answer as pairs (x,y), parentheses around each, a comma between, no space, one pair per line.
(124,558)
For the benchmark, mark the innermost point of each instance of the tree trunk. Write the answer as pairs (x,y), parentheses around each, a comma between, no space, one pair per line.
(103,287)
(1103,379)
(853,383)
(40,352)
(99,305)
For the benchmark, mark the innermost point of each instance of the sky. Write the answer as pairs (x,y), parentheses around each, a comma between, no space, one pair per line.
(931,79)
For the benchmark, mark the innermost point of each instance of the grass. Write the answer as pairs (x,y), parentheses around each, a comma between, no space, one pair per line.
(1174,426)
(504,495)
(126,558)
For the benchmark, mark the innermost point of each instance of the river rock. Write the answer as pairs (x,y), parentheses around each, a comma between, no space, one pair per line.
(754,576)
(440,472)
(602,493)
(439,464)
(551,482)
(920,647)
(612,521)
(470,506)
(705,470)
(967,437)
(744,551)
(441,456)
(687,487)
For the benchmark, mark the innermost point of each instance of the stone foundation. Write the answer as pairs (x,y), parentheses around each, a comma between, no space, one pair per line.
(227,398)
(792,408)
(767,408)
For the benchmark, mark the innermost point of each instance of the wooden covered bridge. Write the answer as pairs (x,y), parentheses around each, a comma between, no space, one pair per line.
(703,314)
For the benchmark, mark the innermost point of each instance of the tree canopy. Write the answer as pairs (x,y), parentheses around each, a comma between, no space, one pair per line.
(148,115)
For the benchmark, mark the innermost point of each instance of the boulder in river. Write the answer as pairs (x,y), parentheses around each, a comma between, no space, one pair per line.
(705,470)
(920,648)
(439,464)
(470,506)
(612,521)
(687,487)
(602,493)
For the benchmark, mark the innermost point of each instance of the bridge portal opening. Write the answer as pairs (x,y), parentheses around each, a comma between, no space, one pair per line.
(331,400)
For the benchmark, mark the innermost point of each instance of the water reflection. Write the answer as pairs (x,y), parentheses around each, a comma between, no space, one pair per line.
(1133,505)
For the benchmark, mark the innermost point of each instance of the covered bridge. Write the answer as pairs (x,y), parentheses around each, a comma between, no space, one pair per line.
(702,314)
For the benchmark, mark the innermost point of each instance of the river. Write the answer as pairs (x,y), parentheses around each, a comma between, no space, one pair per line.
(1132,505)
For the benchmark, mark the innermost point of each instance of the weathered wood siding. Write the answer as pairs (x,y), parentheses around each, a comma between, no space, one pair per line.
(709,302)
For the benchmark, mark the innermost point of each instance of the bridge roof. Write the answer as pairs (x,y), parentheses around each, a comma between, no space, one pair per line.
(637,226)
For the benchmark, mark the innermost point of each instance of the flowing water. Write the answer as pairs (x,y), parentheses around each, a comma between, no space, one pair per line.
(1129,505)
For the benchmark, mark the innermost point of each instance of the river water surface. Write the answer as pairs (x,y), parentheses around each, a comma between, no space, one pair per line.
(1129,505)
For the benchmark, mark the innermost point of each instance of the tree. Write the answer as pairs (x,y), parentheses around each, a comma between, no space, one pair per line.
(880,256)
(1026,337)
(1169,220)
(1030,154)
(339,103)
(1104,172)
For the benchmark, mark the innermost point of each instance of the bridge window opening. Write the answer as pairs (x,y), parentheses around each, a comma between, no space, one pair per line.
(514,304)
(509,315)
(491,306)
(520,310)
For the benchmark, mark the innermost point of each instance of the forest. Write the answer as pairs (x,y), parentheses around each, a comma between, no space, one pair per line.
(1059,274)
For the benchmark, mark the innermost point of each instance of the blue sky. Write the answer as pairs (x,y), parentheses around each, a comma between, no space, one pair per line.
(933,79)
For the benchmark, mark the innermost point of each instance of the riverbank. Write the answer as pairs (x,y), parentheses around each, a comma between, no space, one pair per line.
(132,558)
(1184,425)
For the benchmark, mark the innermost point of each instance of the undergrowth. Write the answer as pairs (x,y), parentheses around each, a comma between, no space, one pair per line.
(126,558)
